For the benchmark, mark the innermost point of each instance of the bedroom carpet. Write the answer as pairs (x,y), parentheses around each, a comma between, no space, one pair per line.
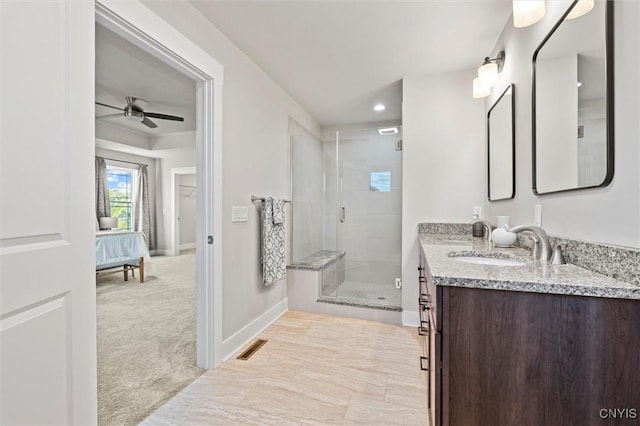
(146,338)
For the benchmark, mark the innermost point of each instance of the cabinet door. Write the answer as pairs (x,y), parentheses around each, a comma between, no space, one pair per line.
(47,261)
(435,375)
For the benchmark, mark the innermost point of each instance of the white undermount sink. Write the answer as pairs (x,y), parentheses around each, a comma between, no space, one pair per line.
(480,260)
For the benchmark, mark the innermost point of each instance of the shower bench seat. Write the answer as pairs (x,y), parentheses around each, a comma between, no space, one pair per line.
(317,261)
(312,285)
(314,276)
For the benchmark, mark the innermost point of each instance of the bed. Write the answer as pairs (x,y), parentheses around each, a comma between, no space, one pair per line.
(126,249)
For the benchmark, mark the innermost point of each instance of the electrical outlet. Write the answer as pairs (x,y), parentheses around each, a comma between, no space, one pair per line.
(477,210)
(398,283)
(537,215)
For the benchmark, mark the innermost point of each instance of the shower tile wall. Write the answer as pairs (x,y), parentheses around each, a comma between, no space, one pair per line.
(370,235)
(306,229)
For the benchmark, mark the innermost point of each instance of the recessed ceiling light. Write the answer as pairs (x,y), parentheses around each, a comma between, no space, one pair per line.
(379,107)
(388,131)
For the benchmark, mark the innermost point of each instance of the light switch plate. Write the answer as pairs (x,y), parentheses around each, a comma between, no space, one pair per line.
(477,210)
(239,214)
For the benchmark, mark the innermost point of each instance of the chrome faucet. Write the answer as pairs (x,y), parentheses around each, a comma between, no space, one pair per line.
(542,237)
(485,225)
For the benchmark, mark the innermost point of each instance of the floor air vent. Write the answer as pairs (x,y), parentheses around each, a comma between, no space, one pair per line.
(248,353)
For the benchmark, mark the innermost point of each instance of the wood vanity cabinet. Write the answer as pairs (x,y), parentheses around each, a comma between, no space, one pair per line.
(515,358)
(430,328)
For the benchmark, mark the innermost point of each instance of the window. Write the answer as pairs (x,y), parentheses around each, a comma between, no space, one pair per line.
(380,182)
(121,195)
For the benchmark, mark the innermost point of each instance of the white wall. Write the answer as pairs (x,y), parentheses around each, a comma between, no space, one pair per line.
(255,161)
(609,215)
(443,162)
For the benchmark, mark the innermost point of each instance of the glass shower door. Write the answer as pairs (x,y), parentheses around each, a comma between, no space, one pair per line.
(369,210)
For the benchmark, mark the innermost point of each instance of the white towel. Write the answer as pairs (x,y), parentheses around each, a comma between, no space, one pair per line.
(274,262)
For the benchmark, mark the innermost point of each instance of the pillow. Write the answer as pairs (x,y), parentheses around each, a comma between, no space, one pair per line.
(97,225)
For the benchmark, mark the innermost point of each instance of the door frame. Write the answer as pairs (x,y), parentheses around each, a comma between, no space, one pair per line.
(174,214)
(148,31)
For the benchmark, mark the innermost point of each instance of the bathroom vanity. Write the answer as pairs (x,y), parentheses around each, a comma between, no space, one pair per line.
(525,344)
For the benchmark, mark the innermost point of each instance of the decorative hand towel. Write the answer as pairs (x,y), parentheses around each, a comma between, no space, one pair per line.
(278,210)
(274,262)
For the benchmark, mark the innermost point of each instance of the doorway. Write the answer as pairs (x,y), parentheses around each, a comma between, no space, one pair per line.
(144,30)
(183,212)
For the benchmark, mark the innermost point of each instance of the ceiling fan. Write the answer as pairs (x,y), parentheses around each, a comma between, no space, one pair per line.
(134,110)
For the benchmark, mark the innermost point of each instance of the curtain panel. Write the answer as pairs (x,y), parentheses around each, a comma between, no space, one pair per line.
(103,205)
(142,208)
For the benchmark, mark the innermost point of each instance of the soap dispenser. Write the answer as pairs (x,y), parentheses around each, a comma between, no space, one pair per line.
(477,228)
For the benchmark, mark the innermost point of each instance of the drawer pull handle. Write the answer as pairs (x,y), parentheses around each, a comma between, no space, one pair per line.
(422,359)
(423,329)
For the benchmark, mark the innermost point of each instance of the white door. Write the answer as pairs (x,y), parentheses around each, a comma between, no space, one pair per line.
(47,276)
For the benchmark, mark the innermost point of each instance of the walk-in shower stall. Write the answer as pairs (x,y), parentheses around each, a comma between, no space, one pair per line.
(346,213)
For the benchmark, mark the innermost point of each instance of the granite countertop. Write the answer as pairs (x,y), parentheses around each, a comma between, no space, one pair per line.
(534,276)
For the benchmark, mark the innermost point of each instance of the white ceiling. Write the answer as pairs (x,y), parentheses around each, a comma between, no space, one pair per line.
(123,69)
(339,58)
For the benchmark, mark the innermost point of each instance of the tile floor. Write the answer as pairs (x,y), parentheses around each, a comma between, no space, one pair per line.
(315,369)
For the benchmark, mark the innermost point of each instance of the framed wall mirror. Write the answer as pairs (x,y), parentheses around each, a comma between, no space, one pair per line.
(572,123)
(501,147)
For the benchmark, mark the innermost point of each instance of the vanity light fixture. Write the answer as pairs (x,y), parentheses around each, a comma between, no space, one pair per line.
(488,75)
(480,90)
(527,12)
(581,8)
(379,107)
(488,72)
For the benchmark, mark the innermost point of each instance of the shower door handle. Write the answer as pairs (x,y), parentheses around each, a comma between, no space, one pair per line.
(342,214)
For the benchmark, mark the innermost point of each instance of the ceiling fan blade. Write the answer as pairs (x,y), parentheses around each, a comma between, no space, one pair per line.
(149,123)
(163,116)
(110,115)
(109,106)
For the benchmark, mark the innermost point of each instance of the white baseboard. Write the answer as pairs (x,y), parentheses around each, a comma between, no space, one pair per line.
(187,246)
(233,344)
(410,318)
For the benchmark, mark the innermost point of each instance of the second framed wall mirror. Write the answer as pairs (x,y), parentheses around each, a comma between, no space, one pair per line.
(573,102)
(501,147)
